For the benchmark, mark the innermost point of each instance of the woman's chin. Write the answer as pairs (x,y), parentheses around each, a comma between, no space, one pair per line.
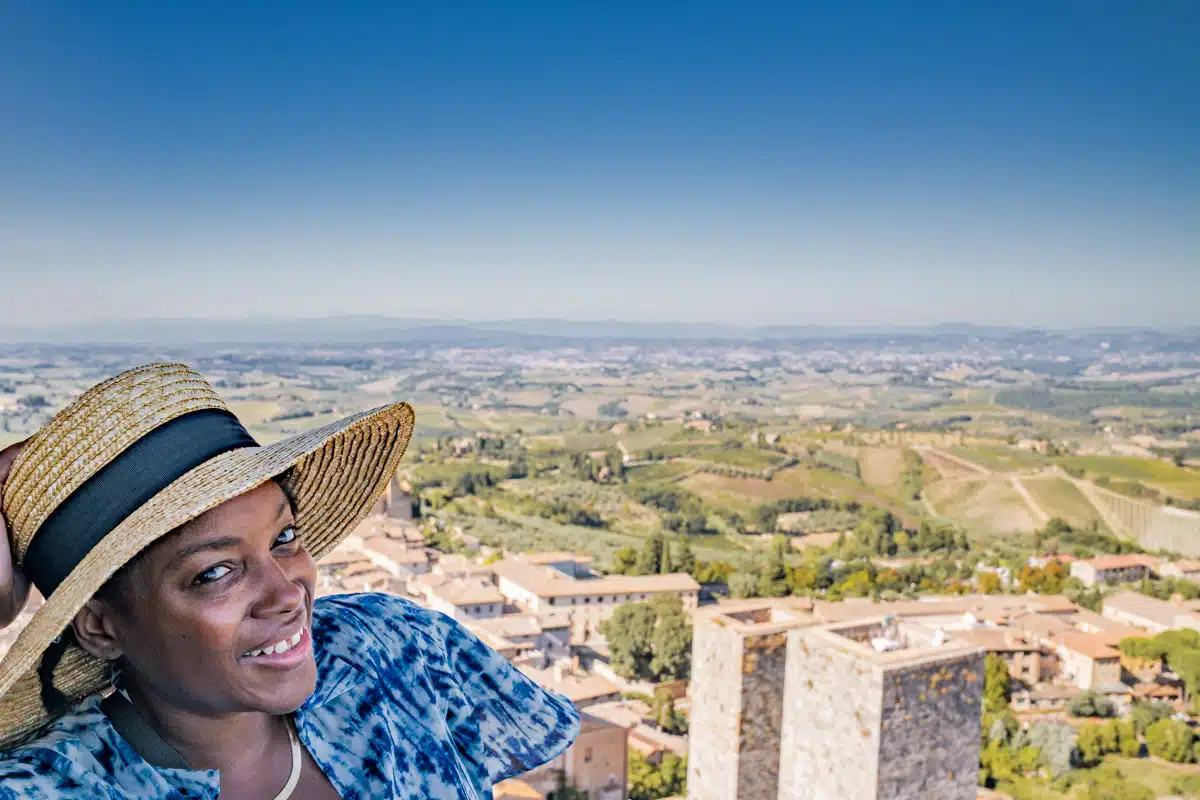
(289,691)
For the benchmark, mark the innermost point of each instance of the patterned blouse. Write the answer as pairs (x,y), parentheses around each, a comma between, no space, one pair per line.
(409,704)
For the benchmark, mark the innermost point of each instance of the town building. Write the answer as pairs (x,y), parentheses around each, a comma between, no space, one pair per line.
(548,634)
(896,707)
(396,557)
(1128,568)
(1088,661)
(397,501)
(1148,613)
(596,763)
(1184,568)
(582,689)
(466,598)
(738,672)
(1027,659)
(539,588)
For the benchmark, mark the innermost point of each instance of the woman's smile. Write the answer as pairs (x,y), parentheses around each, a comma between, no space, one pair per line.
(285,654)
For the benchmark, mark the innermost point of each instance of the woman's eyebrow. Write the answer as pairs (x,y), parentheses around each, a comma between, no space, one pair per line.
(199,547)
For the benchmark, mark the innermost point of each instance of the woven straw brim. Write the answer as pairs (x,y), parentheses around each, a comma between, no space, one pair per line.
(338,473)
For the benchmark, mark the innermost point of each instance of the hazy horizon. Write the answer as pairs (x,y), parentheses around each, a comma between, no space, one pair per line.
(1024,164)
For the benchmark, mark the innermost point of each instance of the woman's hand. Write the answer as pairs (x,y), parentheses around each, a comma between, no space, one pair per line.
(14,586)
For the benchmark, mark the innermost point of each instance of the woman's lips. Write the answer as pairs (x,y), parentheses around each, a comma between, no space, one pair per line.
(294,655)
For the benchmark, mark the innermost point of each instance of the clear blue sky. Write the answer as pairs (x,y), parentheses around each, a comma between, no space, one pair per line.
(858,163)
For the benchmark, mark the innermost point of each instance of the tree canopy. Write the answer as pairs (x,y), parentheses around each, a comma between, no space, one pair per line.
(651,640)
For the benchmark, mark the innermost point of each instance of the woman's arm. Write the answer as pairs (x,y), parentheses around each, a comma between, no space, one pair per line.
(14,586)
(501,720)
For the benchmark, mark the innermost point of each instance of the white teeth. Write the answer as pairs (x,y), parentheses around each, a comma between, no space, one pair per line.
(278,647)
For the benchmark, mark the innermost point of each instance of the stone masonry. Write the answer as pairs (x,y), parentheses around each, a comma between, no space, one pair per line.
(738,673)
(865,725)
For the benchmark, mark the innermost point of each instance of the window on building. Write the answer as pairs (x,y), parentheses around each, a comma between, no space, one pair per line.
(587,756)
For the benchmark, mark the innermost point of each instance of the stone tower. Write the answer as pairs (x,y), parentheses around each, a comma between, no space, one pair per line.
(880,710)
(737,691)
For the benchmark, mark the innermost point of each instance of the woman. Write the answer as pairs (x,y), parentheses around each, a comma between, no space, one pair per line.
(177,558)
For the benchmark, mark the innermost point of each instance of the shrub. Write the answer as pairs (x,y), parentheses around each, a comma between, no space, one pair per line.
(1090,704)
(1146,714)
(1170,740)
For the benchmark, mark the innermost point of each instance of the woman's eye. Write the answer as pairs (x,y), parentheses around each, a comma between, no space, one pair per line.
(213,574)
(286,536)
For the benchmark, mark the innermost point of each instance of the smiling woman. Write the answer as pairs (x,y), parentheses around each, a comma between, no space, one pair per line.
(180,651)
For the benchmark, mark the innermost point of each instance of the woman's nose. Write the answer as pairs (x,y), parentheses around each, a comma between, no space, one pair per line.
(278,591)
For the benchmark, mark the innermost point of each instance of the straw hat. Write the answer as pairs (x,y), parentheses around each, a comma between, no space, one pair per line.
(128,462)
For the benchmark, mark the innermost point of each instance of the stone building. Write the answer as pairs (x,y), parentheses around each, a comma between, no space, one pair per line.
(880,710)
(738,670)
(595,763)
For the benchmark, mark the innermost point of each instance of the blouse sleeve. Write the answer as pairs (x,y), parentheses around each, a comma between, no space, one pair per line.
(501,721)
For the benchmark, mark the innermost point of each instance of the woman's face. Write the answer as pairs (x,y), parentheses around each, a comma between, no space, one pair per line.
(204,610)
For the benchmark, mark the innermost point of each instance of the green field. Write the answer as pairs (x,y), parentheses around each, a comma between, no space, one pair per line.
(1058,497)
(610,501)
(999,458)
(746,457)
(588,442)
(743,494)
(658,471)
(529,534)
(638,440)
(1179,481)
(983,505)
(1161,778)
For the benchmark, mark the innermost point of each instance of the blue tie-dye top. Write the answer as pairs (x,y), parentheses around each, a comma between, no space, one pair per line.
(408,704)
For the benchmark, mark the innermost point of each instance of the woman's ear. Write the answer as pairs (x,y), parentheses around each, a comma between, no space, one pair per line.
(95,632)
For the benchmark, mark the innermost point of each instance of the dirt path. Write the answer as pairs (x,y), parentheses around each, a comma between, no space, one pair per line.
(946,464)
(1030,500)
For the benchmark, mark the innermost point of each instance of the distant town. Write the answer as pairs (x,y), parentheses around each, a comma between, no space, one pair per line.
(942,564)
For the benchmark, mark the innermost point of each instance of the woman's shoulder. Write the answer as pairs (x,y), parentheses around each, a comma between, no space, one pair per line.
(385,621)
(67,759)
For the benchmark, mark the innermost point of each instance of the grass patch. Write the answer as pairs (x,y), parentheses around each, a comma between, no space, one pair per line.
(1059,497)
(985,505)
(528,534)
(1000,458)
(638,440)
(881,466)
(1179,481)
(658,471)
(744,494)
(587,442)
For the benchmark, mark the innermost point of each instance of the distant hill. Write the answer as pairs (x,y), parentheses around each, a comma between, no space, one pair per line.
(372,328)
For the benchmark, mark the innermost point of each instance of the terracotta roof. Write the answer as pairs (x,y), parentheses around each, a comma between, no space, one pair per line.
(1088,644)
(576,688)
(516,789)
(996,640)
(1122,562)
(367,581)
(1051,692)
(395,549)
(342,554)
(1053,603)
(1040,625)
(554,558)
(1156,690)
(549,582)
(467,592)
(1160,612)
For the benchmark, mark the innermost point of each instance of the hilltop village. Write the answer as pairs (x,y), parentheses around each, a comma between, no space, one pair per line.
(939,567)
